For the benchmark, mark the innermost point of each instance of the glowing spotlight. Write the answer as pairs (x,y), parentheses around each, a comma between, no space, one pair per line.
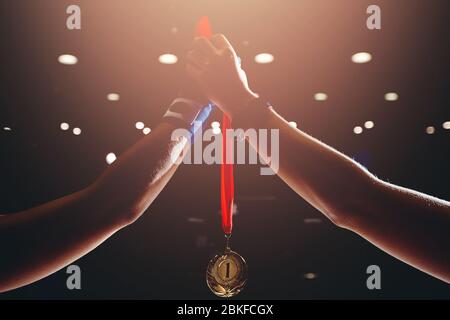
(215,124)
(216,130)
(320,96)
(7,129)
(140,125)
(391,96)
(357,130)
(264,58)
(361,57)
(369,124)
(168,58)
(110,158)
(113,97)
(312,220)
(293,124)
(430,130)
(310,276)
(64,126)
(146,131)
(76,131)
(195,220)
(67,59)
(446,125)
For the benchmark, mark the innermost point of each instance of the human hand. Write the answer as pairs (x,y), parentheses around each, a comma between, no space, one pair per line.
(215,66)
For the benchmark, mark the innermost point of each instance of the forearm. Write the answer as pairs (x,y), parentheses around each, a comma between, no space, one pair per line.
(131,184)
(411,226)
(37,242)
(326,178)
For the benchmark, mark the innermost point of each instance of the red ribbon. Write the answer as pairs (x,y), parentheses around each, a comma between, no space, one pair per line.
(227,180)
(226,173)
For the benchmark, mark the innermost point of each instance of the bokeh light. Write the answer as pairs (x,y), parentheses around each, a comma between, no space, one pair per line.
(168,58)
(369,124)
(391,96)
(320,96)
(64,126)
(357,130)
(140,125)
(113,97)
(361,57)
(110,158)
(68,59)
(264,58)
(430,130)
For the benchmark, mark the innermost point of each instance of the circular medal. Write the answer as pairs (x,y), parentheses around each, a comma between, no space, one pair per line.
(226,274)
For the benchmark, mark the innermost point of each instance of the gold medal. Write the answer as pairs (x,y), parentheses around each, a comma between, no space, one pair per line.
(226,274)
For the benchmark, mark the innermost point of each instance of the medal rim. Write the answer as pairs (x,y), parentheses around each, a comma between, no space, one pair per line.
(235,286)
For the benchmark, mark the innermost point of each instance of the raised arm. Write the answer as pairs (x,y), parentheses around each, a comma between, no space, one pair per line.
(39,241)
(409,225)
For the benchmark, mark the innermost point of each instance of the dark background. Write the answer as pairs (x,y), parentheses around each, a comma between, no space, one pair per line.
(163,255)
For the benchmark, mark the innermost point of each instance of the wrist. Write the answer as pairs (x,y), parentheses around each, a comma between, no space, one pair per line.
(238,102)
(188,114)
(252,112)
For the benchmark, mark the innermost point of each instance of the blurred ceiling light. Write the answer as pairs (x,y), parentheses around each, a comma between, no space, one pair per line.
(64,126)
(293,124)
(446,125)
(174,30)
(140,125)
(168,58)
(110,158)
(77,131)
(68,59)
(312,220)
(146,131)
(430,130)
(264,58)
(361,57)
(357,130)
(320,96)
(113,97)
(195,220)
(215,124)
(216,130)
(7,129)
(391,96)
(310,275)
(369,124)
